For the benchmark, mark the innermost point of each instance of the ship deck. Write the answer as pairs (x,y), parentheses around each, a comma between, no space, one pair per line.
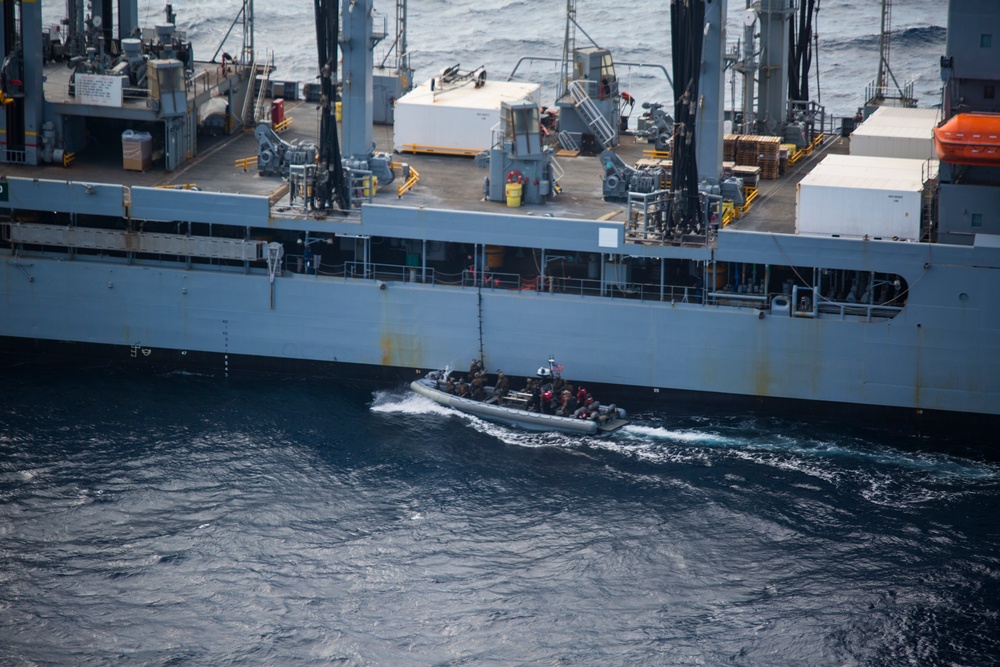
(446,182)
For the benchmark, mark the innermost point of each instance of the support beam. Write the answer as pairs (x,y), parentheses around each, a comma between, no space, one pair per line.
(34,99)
(712,90)
(775,17)
(128,18)
(356,46)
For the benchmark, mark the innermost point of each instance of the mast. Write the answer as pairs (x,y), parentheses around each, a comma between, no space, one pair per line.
(248,47)
(402,58)
(876,94)
(747,66)
(569,46)
(883,47)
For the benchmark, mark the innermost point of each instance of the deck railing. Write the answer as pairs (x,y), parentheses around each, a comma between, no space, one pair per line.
(315,267)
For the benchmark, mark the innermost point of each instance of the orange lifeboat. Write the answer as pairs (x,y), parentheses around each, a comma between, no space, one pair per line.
(969,138)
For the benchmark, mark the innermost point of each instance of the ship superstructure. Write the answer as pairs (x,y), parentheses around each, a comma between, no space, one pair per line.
(246,272)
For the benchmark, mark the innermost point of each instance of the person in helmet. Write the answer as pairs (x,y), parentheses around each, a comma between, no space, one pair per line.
(500,390)
(478,387)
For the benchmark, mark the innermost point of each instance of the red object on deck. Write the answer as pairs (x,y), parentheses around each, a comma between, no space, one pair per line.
(969,138)
(277,112)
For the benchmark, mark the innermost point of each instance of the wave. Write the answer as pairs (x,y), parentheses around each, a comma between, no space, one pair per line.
(911,38)
(919,36)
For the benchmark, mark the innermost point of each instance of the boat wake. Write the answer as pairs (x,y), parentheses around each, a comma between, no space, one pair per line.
(407,403)
(880,473)
(686,436)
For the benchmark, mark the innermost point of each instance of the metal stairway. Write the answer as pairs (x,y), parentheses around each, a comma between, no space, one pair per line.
(556,169)
(597,122)
(259,105)
(567,142)
(556,172)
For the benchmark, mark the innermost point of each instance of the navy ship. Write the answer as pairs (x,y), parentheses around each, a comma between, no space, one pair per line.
(162,212)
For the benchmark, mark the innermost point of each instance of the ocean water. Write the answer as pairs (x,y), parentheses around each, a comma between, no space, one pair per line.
(184,520)
(496,33)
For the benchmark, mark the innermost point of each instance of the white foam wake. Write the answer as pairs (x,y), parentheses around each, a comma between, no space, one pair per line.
(407,403)
(687,436)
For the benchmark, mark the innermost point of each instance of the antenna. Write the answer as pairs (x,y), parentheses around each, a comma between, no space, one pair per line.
(877,90)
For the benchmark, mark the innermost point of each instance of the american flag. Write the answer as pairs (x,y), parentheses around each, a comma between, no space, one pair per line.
(557,368)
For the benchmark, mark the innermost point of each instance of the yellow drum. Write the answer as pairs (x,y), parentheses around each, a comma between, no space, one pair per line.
(514,194)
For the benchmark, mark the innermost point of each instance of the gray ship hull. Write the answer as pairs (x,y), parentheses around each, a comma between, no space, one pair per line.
(939,353)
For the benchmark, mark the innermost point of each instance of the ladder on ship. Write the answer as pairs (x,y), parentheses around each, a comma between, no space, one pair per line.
(248,96)
(597,122)
(259,104)
(556,171)
(567,141)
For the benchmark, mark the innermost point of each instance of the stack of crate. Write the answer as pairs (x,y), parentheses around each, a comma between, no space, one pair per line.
(767,156)
(729,142)
(754,150)
(784,153)
(746,150)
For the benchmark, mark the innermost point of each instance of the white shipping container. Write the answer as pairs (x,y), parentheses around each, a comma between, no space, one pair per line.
(455,120)
(862,196)
(897,132)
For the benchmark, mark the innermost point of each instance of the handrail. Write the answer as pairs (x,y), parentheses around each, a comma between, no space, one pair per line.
(581,96)
(248,94)
(554,285)
(655,154)
(245,162)
(751,195)
(410,182)
(439,150)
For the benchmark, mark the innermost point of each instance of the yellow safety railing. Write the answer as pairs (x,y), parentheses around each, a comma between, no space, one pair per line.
(439,150)
(728,212)
(246,162)
(817,140)
(410,182)
(284,124)
(179,186)
(655,154)
(751,195)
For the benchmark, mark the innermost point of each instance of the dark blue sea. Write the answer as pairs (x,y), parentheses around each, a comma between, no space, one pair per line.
(183,520)
(496,33)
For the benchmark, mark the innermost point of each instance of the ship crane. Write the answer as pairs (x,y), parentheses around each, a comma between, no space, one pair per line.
(686,22)
(349,170)
(331,186)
